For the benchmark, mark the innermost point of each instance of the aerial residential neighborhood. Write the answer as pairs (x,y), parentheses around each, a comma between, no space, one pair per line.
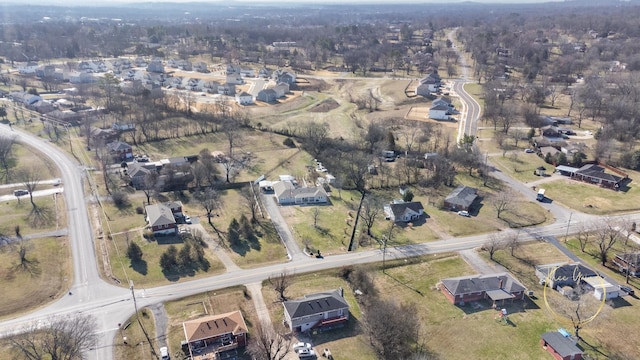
(303,181)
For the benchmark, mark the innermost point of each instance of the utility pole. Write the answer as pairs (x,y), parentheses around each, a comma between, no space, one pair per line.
(568,225)
(135,305)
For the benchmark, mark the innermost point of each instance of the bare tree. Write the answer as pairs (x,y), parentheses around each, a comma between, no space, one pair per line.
(512,242)
(492,245)
(316,214)
(501,202)
(6,146)
(280,283)
(30,178)
(607,234)
(267,344)
(251,202)
(149,184)
(584,235)
(63,338)
(369,212)
(392,328)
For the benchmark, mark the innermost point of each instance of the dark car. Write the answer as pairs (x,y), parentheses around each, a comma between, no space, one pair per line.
(627,290)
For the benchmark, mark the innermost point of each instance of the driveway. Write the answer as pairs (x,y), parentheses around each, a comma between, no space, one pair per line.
(215,246)
(471,257)
(293,250)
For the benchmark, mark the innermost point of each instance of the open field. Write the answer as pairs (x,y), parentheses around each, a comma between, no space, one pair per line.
(50,216)
(210,303)
(611,327)
(520,165)
(44,277)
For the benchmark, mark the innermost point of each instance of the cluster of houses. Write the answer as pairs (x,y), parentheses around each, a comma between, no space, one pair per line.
(220,336)
(442,109)
(429,84)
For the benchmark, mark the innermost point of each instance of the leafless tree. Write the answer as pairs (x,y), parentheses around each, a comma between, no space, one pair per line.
(63,338)
(607,234)
(6,152)
(30,178)
(584,235)
(512,242)
(251,201)
(492,245)
(149,184)
(392,328)
(267,344)
(280,283)
(370,209)
(502,202)
(316,215)
(581,306)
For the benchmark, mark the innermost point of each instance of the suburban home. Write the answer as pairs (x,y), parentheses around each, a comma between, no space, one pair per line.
(282,89)
(551,150)
(439,112)
(155,66)
(288,194)
(595,174)
(429,84)
(244,98)
(201,67)
(161,219)
(43,106)
(562,274)
(443,101)
(560,345)
(267,95)
(494,287)
(78,77)
(628,262)
(549,131)
(28,68)
(226,89)
(102,136)
(404,211)
(235,78)
(137,173)
(461,198)
(215,334)
(24,97)
(283,76)
(320,311)
(120,150)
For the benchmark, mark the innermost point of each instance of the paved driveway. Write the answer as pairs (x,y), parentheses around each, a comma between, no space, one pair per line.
(293,250)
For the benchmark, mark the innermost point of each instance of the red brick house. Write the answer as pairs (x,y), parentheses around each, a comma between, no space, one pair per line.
(494,287)
(120,150)
(628,262)
(162,217)
(560,346)
(215,334)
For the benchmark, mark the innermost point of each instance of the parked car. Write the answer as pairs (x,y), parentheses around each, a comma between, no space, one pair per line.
(20,192)
(306,354)
(57,182)
(529,151)
(627,290)
(164,353)
(187,219)
(464,213)
(300,346)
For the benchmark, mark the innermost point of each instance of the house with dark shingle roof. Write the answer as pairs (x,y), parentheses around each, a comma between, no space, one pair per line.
(404,211)
(288,194)
(267,95)
(562,274)
(595,174)
(461,198)
(560,346)
(494,287)
(120,150)
(215,334)
(323,311)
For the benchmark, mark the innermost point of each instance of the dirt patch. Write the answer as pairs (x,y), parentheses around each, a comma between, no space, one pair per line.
(309,84)
(325,106)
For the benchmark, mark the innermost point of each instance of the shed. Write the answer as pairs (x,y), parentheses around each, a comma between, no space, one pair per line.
(540,171)
(560,346)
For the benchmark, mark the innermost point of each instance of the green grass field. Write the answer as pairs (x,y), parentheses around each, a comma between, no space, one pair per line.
(592,199)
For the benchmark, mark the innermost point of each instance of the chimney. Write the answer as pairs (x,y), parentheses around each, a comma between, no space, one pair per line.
(500,284)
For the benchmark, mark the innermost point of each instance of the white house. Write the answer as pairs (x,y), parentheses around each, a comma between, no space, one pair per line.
(602,288)
(288,194)
(439,112)
(244,98)
(404,211)
(28,68)
(235,78)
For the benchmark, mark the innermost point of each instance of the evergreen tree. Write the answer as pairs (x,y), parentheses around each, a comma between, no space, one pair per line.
(184,255)
(233,233)
(169,259)
(134,252)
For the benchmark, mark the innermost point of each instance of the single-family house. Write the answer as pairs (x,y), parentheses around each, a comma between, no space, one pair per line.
(494,287)
(215,334)
(288,194)
(321,311)
(429,84)
(281,89)
(461,198)
(628,262)
(28,68)
(551,150)
(559,275)
(120,150)
(185,65)
(235,78)
(267,95)
(602,289)
(244,98)
(560,346)
(155,66)
(549,131)
(595,174)
(227,89)
(404,211)
(43,106)
(137,173)
(140,62)
(201,67)
(443,100)
(439,112)
(284,76)
(24,97)
(161,219)
(102,136)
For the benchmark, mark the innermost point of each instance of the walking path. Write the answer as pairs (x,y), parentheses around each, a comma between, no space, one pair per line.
(217,249)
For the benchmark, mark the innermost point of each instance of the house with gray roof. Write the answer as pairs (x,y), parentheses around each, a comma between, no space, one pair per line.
(560,346)
(137,173)
(267,95)
(282,89)
(493,287)
(563,274)
(161,219)
(461,198)
(322,311)
(404,211)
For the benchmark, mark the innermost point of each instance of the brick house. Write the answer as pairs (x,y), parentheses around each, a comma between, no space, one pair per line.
(628,262)
(215,334)
(494,287)
(561,347)
(162,217)
(461,198)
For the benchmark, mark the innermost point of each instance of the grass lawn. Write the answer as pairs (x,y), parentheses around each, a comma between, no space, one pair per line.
(592,199)
(47,276)
(137,346)
(209,303)
(346,343)
(609,332)
(520,165)
(21,214)
(148,271)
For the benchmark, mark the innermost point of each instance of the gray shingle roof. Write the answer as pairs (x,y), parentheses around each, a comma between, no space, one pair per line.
(561,344)
(482,283)
(316,304)
(399,209)
(159,214)
(462,196)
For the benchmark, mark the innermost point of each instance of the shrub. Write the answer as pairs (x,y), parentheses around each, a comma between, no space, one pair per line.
(139,210)
(289,142)
(120,199)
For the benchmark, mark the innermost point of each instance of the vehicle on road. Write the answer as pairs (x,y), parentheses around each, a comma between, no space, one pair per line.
(464,213)
(540,196)
(164,353)
(627,290)
(20,192)
(57,182)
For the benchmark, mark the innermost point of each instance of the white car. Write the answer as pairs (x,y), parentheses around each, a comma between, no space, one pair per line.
(464,213)
(301,346)
(529,151)
(306,353)
(187,219)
